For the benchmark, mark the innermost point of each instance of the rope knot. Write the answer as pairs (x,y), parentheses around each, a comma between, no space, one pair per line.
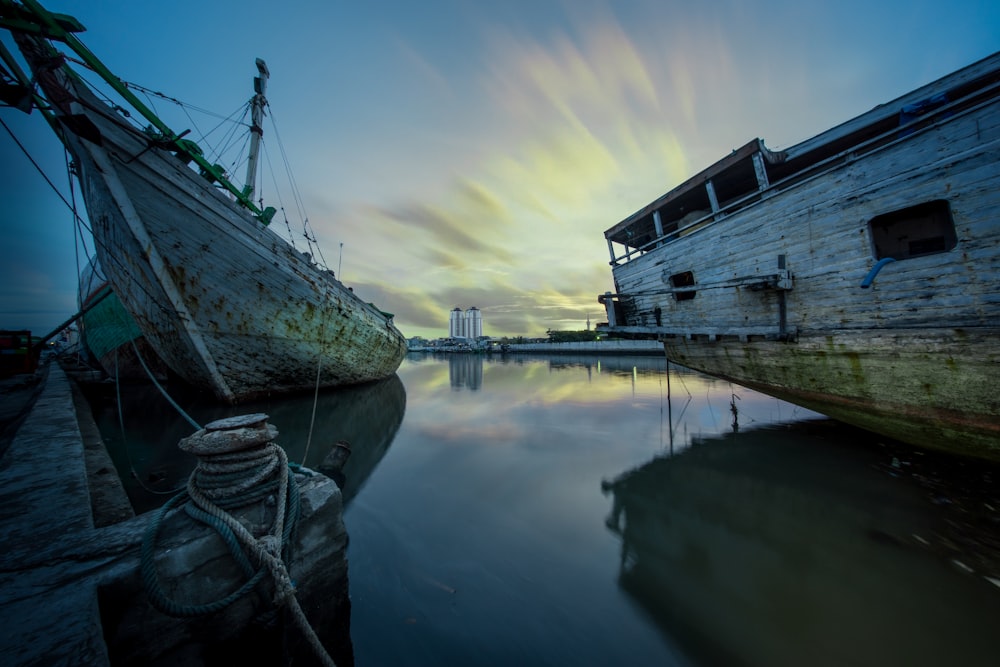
(284,589)
(271,544)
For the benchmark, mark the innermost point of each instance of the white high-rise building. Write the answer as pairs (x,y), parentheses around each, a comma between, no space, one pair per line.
(468,324)
(473,323)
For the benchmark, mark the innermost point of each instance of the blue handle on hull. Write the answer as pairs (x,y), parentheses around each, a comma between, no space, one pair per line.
(870,278)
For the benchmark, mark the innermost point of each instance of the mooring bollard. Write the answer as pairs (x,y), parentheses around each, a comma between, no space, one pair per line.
(239,465)
(241,488)
(333,464)
(229,435)
(240,469)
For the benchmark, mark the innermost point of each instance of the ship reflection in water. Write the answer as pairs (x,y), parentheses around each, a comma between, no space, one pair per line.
(743,530)
(755,548)
(365,416)
(153,468)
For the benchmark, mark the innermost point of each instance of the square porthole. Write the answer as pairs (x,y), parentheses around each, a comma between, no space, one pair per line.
(684,279)
(919,230)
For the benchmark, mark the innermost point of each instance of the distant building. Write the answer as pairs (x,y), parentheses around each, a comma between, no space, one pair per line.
(468,324)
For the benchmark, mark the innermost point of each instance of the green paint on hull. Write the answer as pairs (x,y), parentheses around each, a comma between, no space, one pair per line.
(895,383)
(108,326)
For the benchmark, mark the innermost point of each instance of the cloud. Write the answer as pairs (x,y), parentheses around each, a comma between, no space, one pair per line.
(431,79)
(521,234)
(411,307)
(444,225)
(581,127)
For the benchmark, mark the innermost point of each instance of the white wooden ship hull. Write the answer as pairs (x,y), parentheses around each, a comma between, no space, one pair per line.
(752,270)
(225,302)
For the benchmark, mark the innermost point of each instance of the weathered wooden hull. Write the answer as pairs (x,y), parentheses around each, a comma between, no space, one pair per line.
(225,302)
(932,388)
(766,290)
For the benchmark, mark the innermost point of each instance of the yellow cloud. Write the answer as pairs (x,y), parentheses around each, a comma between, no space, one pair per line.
(584,134)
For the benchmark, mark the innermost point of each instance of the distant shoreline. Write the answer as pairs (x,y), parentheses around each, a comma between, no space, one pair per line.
(650,347)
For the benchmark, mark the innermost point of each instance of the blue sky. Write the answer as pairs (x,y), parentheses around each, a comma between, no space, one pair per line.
(472,153)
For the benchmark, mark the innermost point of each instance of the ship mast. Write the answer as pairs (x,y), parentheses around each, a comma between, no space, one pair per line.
(29,17)
(256,130)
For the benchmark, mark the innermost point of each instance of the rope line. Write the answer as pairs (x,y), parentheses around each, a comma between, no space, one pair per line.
(37,167)
(163,391)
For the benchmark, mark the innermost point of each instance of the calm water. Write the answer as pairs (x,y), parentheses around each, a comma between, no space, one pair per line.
(598,511)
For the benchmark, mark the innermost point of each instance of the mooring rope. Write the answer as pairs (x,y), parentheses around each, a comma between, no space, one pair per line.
(163,391)
(324,346)
(312,419)
(233,480)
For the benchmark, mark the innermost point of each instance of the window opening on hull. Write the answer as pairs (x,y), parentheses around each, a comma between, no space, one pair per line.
(685,279)
(924,229)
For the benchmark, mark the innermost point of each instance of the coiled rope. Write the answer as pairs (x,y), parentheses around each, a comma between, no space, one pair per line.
(237,467)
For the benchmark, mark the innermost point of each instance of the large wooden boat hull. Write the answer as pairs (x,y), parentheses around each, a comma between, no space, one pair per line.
(226,303)
(785,282)
(932,388)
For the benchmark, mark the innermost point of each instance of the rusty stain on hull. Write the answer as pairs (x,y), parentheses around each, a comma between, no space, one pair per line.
(226,303)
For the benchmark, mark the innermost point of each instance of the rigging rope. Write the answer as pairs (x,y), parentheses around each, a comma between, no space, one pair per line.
(324,346)
(312,419)
(36,166)
(214,151)
(79,219)
(296,193)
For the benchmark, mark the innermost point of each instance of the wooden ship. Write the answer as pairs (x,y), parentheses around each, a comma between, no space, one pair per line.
(856,274)
(225,302)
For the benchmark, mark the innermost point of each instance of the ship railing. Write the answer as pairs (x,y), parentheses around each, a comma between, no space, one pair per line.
(644,309)
(742,334)
(964,105)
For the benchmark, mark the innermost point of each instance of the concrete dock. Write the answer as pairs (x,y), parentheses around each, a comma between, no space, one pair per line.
(69,536)
(48,598)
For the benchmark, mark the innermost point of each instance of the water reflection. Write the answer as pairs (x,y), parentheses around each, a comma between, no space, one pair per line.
(615,365)
(465,371)
(480,539)
(142,438)
(772,547)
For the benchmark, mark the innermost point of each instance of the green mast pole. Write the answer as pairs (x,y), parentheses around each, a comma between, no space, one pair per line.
(52,27)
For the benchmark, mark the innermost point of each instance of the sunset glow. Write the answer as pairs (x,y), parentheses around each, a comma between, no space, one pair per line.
(467,156)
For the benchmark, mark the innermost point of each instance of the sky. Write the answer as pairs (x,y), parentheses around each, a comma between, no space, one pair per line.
(459,153)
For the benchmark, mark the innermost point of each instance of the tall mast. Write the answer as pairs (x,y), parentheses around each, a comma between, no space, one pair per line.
(256,130)
(28,16)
